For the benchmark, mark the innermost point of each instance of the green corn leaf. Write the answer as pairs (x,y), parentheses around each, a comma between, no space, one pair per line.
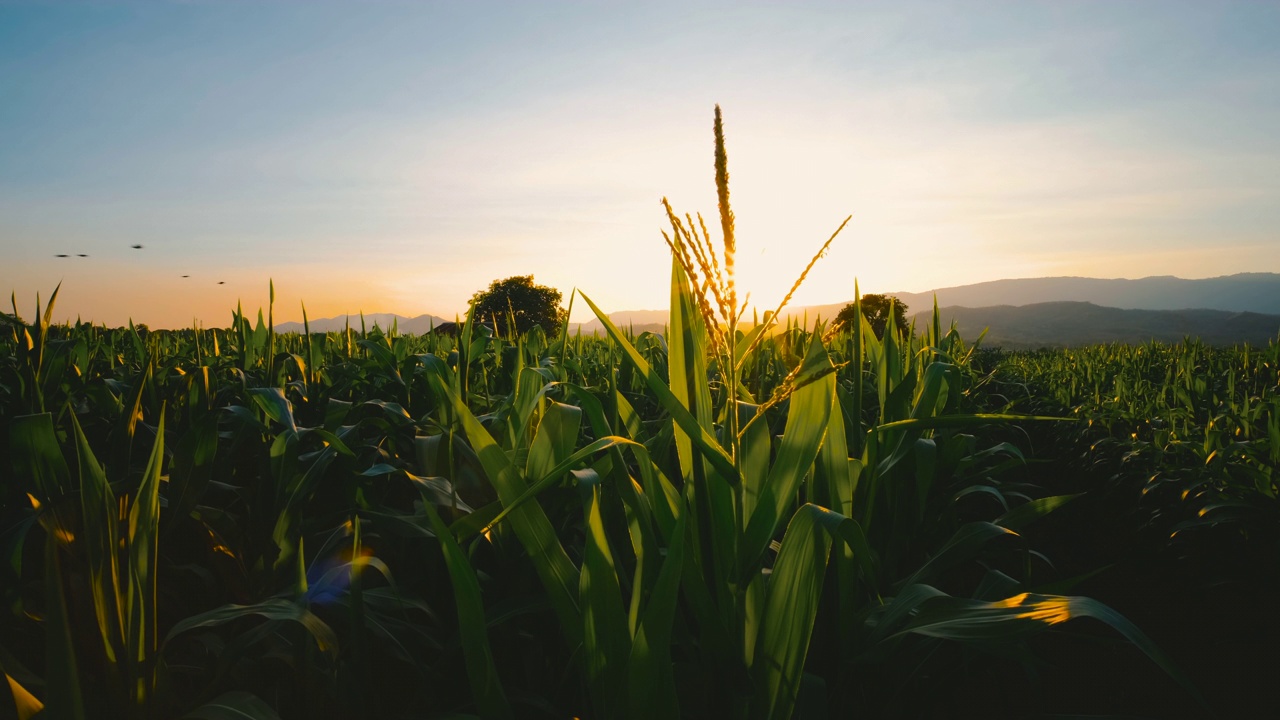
(952,618)
(1023,515)
(36,455)
(558,574)
(554,440)
(705,442)
(857,552)
(556,474)
(747,342)
(754,450)
(274,610)
(834,469)
(100,539)
(938,376)
(856,351)
(641,532)
(126,427)
(474,523)
(791,606)
(836,479)
(805,429)
(902,440)
(191,470)
(335,413)
(963,545)
(712,495)
(593,409)
(275,405)
(285,532)
(63,694)
(925,451)
(664,499)
(606,638)
(651,681)
(899,609)
(687,351)
(486,686)
(143,545)
(889,371)
(962,421)
(531,388)
(331,440)
(234,705)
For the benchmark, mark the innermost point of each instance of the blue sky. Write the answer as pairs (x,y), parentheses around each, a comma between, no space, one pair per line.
(397,157)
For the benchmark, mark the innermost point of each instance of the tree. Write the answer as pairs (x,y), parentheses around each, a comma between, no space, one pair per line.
(530,304)
(876,310)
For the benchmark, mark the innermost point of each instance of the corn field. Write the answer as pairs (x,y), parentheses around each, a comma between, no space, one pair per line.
(727,520)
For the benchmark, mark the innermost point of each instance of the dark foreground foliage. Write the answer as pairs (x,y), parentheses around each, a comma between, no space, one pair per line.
(337,524)
(719,521)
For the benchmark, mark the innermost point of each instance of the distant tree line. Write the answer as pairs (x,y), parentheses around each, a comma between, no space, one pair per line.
(877,309)
(517,299)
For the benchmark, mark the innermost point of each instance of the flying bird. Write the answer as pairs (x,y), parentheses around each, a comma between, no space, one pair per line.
(137,247)
(186,276)
(222,282)
(81,255)
(62,256)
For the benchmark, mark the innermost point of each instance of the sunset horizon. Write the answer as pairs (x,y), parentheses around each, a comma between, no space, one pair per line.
(786,360)
(403,163)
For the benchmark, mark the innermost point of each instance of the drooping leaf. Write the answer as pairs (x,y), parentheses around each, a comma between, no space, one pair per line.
(558,574)
(962,545)
(272,610)
(233,705)
(486,687)
(1023,515)
(606,639)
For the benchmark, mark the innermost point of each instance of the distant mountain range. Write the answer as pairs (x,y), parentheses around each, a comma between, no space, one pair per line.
(1066,324)
(1025,312)
(637,320)
(404,325)
(1058,311)
(1244,292)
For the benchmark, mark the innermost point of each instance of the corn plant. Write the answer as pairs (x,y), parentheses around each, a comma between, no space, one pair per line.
(734,519)
(1185,436)
(706,597)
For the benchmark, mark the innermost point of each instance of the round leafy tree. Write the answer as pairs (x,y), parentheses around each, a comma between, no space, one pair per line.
(876,310)
(518,297)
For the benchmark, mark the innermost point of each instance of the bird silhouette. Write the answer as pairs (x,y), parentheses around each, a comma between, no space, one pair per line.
(186,276)
(81,255)
(222,282)
(62,256)
(137,247)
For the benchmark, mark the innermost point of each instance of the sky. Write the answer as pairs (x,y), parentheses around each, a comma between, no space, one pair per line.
(398,157)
